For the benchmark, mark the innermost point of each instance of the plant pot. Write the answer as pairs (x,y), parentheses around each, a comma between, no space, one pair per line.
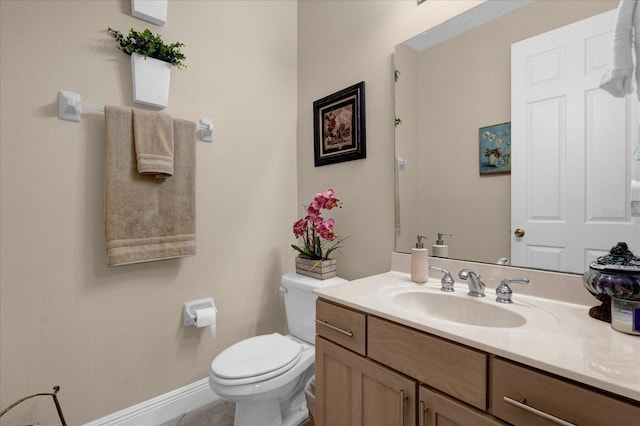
(150,78)
(154,11)
(320,269)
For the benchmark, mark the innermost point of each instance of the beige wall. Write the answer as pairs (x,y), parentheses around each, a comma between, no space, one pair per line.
(113,337)
(340,44)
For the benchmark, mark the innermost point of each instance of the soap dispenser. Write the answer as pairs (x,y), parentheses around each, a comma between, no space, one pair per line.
(440,249)
(420,262)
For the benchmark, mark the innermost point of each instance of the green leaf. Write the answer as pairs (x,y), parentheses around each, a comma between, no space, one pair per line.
(149,45)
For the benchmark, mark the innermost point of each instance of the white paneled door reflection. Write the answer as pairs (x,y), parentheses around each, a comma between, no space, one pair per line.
(571,149)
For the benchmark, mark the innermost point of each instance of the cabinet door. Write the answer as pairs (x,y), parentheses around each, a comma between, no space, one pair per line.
(436,409)
(454,369)
(354,391)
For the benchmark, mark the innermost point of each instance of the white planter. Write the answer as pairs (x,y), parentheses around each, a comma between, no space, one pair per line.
(154,11)
(150,78)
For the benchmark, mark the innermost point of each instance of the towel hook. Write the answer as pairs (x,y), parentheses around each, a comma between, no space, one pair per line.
(205,129)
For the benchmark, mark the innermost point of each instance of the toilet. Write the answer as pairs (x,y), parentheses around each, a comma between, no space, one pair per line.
(265,375)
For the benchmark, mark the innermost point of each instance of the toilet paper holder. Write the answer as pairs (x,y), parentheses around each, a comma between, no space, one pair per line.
(189,309)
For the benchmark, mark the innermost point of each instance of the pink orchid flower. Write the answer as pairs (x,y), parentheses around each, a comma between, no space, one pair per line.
(313,228)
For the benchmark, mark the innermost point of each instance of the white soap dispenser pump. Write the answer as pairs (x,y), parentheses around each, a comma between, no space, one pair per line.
(420,262)
(440,249)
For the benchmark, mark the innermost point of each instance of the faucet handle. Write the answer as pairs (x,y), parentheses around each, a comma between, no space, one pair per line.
(446,281)
(504,292)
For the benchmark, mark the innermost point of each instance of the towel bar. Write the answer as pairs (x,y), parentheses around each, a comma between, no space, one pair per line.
(70,108)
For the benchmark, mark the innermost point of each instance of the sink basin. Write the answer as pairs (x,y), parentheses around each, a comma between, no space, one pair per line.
(454,308)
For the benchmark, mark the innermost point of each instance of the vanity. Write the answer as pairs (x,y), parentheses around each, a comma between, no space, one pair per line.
(393,352)
(390,351)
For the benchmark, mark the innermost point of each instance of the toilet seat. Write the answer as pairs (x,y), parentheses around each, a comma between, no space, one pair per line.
(255,359)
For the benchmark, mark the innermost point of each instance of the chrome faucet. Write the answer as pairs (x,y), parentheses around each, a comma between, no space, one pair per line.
(476,286)
(446,281)
(504,292)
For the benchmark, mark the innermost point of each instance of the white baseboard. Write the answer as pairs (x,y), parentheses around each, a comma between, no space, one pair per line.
(161,408)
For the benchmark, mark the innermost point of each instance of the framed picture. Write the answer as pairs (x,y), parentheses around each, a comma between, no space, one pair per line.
(339,126)
(495,149)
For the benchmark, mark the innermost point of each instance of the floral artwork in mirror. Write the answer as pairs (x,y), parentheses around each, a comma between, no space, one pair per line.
(339,126)
(495,149)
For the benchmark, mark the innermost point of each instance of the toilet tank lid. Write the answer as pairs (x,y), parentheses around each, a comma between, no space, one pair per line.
(307,283)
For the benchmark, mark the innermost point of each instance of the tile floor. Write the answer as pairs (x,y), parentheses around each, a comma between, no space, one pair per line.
(218,413)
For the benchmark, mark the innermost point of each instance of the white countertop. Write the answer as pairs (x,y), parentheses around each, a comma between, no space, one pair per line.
(559,337)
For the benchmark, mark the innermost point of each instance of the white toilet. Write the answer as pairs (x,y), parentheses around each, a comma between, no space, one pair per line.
(265,375)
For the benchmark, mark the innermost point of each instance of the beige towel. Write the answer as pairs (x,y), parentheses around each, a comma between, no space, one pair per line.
(146,218)
(153,136)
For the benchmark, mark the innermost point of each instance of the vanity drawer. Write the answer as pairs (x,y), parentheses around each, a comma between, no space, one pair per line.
(457,370)
(524,396)
(341,325)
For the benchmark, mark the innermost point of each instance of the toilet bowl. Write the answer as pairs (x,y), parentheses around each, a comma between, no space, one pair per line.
(265,375)
(266,396)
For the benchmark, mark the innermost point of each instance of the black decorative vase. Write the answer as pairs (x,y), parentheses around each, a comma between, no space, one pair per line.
(614,280)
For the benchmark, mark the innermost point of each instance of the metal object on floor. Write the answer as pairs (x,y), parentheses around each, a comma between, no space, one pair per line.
(55,401)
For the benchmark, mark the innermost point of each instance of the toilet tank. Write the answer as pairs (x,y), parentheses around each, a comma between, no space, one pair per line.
(300,303)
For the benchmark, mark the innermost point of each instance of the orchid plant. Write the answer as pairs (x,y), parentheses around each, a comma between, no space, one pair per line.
(315,231)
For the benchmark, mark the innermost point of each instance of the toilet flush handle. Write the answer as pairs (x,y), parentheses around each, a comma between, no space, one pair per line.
(283,290)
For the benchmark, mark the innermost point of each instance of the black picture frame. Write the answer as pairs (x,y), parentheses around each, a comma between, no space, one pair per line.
(339,126)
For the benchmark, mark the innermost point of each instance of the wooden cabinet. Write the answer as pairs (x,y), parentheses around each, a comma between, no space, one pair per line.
(452,368)
(354,391)
(524,396)
(437,409)
(374,372)
(346,327)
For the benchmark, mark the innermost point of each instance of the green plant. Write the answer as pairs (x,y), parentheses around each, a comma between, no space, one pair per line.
(149,45)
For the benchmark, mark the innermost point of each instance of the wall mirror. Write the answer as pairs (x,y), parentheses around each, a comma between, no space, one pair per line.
(455,79)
